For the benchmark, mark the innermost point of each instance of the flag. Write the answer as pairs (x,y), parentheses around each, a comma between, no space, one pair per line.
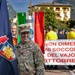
(8,63)
(21,19)
(39,29)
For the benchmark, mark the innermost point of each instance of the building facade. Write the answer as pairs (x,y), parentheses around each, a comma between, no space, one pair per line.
(63,11)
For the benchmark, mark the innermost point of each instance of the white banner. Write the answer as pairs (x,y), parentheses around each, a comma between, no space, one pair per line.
(59,52)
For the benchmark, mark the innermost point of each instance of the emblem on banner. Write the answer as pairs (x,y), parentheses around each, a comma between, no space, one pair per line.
(7,50)
(31,34)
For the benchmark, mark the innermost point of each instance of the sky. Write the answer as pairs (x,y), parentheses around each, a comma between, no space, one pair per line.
(22,5)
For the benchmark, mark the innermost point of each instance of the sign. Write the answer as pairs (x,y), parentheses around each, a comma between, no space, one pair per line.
(59,52)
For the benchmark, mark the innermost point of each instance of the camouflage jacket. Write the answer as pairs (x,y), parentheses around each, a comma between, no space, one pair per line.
(30,59)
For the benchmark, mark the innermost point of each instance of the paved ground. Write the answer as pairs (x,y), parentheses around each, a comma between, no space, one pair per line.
(59,72)
(62,70)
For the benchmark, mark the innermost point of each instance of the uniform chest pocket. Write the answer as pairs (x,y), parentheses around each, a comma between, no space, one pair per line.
(24,55)
(26,51)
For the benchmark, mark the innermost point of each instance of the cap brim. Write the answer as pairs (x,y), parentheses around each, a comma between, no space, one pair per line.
(24,31)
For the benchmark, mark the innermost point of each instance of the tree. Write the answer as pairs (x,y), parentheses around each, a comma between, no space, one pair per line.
(71,23)
(50,19)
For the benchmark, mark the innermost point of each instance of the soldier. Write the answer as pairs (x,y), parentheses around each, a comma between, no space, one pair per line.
(29,55)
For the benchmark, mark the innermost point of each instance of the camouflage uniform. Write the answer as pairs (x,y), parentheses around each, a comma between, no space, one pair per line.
(30,58)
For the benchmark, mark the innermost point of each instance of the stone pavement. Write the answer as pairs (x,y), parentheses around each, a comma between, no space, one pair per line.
(58,72)
(62,70)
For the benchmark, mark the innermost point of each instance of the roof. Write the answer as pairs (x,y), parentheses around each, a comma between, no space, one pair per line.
(51,4)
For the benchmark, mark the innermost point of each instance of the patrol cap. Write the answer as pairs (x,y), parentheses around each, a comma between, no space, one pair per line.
(24,28)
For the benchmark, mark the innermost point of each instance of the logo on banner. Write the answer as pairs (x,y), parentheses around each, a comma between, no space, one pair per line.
(7,49)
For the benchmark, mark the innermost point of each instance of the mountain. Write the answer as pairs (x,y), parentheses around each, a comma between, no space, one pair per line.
(61,1)
(11,11)
(66,1)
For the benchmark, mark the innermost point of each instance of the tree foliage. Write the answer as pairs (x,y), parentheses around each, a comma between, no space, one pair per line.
(71,23)
(50,18)
(63,25)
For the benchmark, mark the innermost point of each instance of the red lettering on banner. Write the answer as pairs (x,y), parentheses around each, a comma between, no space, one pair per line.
(67,55)
(52,55)
(63,49)
(48,49)
(66,43)
(47,60)
(60,60)
(50,44)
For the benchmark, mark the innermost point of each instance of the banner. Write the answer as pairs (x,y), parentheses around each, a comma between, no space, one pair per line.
(8,62)
(39,29)
(60,52)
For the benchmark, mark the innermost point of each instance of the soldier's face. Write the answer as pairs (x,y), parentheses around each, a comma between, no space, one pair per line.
(25,36)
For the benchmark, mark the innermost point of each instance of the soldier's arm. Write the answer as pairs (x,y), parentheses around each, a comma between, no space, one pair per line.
(39,61)
(17,50)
